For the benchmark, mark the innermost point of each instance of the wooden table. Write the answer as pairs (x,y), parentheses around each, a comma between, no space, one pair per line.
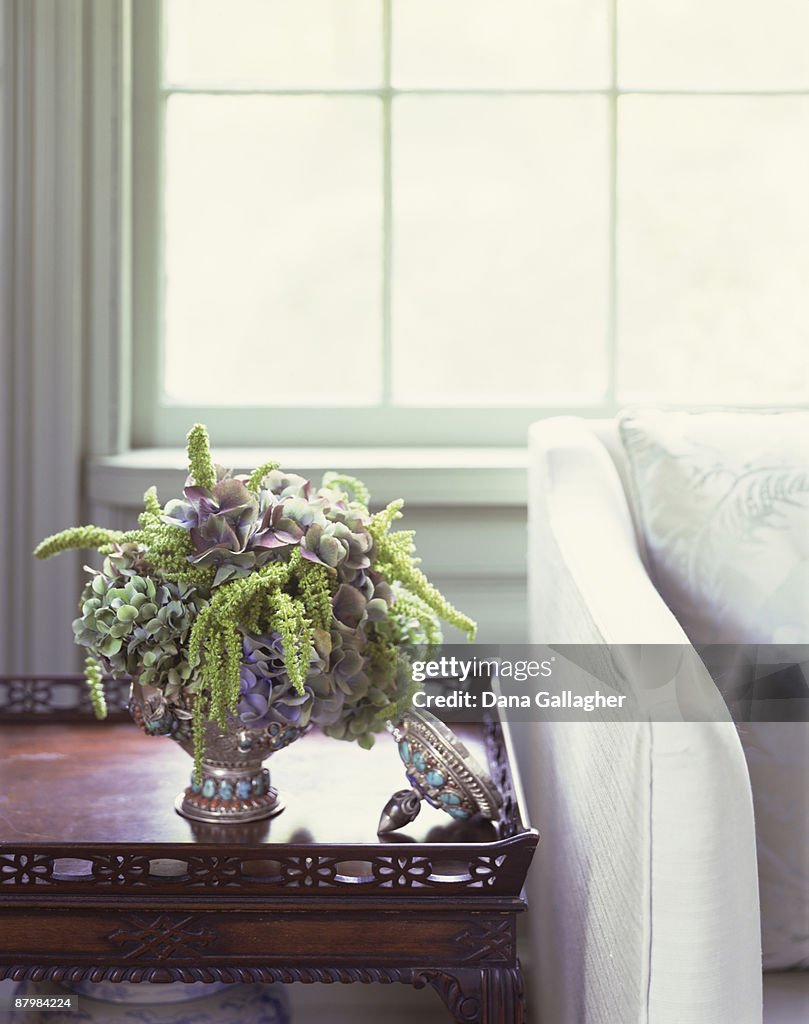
(101,880)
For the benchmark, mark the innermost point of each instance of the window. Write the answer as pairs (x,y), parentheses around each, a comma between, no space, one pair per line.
(417,222)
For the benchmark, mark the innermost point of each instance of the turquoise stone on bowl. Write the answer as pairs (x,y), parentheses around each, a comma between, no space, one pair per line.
(209,788)
(196,787)
(243,789)
(434,778)
(258,785)
(418,760)
(458,812)
(449,798)
(226,789)
(404,751)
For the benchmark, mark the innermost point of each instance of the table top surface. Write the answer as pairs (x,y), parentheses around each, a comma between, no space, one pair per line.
(110,783)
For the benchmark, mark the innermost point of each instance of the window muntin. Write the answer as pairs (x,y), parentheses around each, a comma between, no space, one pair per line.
(585,275)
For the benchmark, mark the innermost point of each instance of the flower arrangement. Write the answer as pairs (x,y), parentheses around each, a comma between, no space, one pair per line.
(259,597)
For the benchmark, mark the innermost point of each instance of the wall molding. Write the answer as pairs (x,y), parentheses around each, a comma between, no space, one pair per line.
(108,224)
(477,477)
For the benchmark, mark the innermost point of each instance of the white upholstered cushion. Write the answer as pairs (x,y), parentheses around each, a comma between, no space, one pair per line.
(723,505)
(639,914)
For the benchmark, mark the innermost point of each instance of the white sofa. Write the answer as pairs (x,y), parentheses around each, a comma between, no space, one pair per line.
(644,895)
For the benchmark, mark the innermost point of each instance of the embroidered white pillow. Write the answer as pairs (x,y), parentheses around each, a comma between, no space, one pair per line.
(723,501)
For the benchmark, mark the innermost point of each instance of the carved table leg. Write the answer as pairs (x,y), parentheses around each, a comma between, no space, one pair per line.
(485,995)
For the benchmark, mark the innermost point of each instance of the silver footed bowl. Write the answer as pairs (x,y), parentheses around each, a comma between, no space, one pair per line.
(234,786)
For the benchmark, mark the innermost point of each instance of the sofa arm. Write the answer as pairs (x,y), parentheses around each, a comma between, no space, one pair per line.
(587,581)
(644,900)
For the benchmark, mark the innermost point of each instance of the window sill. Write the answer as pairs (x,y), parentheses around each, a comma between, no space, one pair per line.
(421,476)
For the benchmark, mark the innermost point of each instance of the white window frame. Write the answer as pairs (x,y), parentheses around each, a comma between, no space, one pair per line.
(157,421)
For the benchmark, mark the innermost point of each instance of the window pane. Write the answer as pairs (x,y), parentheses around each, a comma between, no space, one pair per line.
(500,239)
(273,242)
(718,44)
(713,266)
(274,42)
(502,43)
